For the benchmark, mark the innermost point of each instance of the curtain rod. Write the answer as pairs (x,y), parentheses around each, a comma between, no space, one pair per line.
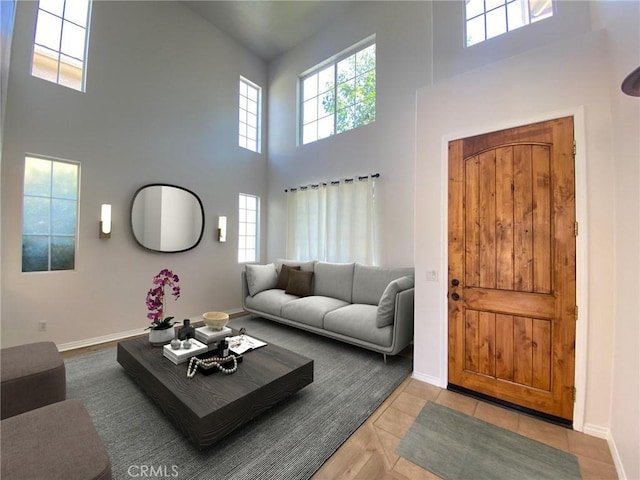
(333,182)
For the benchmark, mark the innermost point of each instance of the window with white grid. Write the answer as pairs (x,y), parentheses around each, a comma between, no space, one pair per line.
(249,116)
(49,214)
(248,210)
(486,19)
(340,94)
(60,42)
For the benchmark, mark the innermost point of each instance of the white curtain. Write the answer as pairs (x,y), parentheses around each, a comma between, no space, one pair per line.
(336,222)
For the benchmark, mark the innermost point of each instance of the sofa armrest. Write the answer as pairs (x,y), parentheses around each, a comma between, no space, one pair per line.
(403,320)
(245,288)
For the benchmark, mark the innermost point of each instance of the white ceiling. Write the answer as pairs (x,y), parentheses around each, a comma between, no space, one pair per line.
(269,28)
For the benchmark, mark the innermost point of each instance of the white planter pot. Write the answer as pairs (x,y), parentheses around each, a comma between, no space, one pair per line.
(161,337)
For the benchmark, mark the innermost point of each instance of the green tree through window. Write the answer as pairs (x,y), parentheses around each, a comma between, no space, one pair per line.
(340,96)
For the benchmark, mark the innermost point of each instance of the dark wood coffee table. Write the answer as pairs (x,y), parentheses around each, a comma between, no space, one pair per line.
(208,407)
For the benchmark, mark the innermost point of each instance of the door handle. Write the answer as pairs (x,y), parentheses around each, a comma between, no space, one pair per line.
(455,297)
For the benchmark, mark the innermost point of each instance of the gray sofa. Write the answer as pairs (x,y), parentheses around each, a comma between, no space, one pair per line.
(371,307)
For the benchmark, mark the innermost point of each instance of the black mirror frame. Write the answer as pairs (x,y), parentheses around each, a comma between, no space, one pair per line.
(166,185)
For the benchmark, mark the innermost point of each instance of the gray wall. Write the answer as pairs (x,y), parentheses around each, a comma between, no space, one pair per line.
(387,146)
(160,106)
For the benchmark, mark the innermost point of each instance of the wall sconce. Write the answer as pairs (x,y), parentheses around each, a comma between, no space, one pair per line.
(105,221)
(222,229)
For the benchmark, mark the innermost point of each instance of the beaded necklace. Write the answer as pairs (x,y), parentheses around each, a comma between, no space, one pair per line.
(212,362)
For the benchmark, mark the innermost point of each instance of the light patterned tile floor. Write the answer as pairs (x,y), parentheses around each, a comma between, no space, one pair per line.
(370,452)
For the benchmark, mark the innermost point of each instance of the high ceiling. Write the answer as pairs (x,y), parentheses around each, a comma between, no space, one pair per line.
(269,28)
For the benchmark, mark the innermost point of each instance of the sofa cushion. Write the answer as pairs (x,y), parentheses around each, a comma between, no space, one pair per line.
(311,310)
(269,301)
(299,283)
(304,266)
(283,276)
(370,282)
(334,280)
(358,321)
(261,277)
(386,309)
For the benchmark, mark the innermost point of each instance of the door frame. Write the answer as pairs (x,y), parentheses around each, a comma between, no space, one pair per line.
(582,263)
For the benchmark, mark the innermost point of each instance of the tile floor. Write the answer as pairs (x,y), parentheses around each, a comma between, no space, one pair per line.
(370,452)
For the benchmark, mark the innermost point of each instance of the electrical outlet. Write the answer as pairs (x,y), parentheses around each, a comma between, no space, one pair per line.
(432,275)
(42,326)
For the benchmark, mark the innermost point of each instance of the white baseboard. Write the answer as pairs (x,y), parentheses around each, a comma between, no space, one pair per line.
(596,431)
(89,342)
(428,379)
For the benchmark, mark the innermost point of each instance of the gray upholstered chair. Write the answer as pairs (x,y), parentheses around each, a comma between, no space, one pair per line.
(43,434)
(31,376)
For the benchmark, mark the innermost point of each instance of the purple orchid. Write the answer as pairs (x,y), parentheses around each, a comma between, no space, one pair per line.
(155,299)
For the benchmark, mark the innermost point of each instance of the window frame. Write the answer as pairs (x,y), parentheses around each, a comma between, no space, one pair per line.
(258,114)
(504,4)
(58,52)
(333,61)
(245,236)
(50,235)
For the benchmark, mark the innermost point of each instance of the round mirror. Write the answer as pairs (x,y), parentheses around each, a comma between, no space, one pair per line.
(166,218)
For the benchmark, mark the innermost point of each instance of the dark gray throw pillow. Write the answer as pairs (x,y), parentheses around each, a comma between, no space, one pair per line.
(299,283)
(283,278)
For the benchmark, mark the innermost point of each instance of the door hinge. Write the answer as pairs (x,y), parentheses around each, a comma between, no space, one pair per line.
(576,312)
(574,394)
(575,229)
(574,149)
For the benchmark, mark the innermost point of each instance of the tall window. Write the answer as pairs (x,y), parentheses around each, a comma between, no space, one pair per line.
(248,209)
(334,222)
(489,18)
(249,116)
(49,215)
(340,95)
(60,45)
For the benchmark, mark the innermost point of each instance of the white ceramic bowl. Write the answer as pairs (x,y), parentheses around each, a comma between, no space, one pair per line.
(215,320)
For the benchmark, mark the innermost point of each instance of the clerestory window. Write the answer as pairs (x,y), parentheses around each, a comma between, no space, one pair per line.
(340,94)
(60,42)
(249,124)
(486,19)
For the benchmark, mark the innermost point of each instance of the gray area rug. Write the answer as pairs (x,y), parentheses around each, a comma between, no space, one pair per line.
(456,446)
(290,441)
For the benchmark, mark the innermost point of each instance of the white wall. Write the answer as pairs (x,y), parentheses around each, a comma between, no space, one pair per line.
(161,97)
(573,74)
(623,48)
(7,17)
(386,146)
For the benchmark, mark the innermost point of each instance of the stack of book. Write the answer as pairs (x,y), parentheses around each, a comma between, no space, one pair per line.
(208,335)
(183,354)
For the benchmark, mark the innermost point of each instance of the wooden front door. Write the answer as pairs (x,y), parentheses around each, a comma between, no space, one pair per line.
(511,294)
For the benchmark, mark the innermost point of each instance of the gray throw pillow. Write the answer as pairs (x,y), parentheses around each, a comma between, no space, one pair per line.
(299,283)
(387,305)
(283,278)
(261,277)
